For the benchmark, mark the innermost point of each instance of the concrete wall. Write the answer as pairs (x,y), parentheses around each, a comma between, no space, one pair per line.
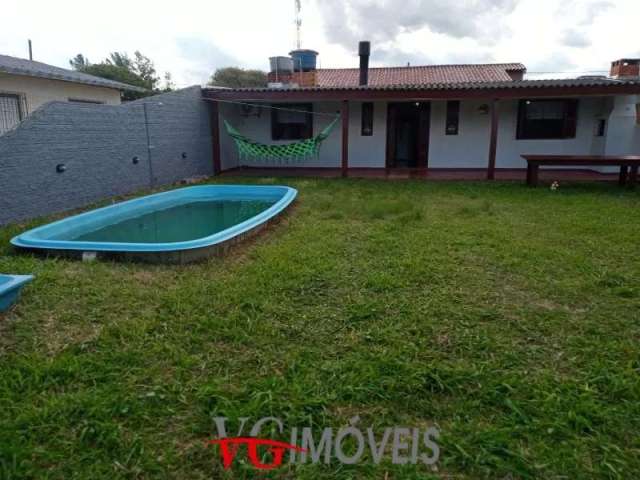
(97,145)
(38,91)
(258,128)
(228,152)
(367,151)
(468,149)
(623,135)
(584,143)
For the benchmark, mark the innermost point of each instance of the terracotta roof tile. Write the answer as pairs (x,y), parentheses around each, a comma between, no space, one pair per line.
(567,83)
(419,75)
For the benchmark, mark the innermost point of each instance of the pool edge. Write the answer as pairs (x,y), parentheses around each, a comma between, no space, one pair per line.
(178,255)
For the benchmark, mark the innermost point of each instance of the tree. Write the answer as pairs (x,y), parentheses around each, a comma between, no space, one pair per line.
(119,74)
(235,77)
(120,59)
(145,69)
(169,86)
(79,62)
(139,72)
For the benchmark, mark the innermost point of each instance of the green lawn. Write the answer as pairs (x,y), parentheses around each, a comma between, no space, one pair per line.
(507,316)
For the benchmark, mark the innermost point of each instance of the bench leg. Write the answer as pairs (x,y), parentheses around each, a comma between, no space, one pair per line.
(532,175)
(633,176)
(622,179)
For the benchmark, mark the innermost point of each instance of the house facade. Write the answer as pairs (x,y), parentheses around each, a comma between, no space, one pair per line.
(433,117)
(26,85)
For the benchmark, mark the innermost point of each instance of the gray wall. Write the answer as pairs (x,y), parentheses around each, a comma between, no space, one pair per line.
(366,151)
(623,131)
(97,144)
(470,148)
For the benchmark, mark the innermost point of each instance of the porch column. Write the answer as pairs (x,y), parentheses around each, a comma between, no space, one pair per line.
(493,139)
(215,137)
(344,113)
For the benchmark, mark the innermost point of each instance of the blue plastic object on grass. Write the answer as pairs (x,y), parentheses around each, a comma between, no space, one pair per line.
(10,287)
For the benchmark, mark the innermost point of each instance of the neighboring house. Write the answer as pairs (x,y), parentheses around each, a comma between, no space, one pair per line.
(440,116)
(25,85)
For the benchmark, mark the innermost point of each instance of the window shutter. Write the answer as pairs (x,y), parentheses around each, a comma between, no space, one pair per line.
(366,126)
(571,119)
(453,117)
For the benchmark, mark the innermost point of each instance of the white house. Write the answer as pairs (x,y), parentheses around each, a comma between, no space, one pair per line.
(432,117)
(25,85)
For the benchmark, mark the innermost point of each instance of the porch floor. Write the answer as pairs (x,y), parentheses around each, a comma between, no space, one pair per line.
(506,174)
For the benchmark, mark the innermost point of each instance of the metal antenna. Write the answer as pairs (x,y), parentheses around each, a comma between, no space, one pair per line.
(298,22)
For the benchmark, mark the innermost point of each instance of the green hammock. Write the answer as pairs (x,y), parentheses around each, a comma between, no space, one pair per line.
(298,151)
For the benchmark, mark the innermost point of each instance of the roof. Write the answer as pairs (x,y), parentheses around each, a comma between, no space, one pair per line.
(419,75)
(29,68)
(490,89)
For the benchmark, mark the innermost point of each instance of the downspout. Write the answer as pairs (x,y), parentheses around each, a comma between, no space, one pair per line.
(146,126)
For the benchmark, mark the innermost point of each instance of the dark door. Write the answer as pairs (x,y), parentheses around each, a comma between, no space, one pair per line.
(408,135)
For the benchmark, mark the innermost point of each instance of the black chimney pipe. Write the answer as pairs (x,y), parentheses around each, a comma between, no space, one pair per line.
(364,50)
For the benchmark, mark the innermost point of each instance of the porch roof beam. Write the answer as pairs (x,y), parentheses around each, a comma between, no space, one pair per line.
(214,117)
(344,113)
(414,94)
(493,138)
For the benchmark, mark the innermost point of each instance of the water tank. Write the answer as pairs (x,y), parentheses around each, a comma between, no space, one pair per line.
(304,60)
(592,77)
(281,64)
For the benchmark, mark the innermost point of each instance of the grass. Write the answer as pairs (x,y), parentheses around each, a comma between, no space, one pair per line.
(509,317)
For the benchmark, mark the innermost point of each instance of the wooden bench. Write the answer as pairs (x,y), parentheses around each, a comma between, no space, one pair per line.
(628,165)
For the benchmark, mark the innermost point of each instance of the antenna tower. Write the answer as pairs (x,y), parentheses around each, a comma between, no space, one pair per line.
(298,22)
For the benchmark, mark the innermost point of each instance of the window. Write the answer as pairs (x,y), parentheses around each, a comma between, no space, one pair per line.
(10,112)
(82,100)
(367,119)
(294,122)
(547,119)
(453,117)
(601,127)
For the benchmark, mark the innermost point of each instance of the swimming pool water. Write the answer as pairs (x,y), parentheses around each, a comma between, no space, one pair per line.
(178,223)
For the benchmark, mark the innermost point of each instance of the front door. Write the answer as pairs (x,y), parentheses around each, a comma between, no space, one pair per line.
(408,135)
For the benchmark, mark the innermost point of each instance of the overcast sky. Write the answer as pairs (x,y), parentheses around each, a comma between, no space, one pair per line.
(192,38)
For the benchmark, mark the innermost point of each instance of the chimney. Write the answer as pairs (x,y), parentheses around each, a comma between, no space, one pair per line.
(364,50)
(625,67)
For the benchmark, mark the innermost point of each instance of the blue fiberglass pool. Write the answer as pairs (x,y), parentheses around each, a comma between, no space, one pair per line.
(177,226)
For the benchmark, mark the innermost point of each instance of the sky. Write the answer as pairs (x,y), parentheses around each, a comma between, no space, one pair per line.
(191,38)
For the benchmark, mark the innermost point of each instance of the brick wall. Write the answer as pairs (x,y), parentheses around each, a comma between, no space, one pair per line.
(302,79)
(625,68)
(105,150)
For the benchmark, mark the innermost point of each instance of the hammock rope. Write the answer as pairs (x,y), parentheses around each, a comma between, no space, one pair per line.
(251,150)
